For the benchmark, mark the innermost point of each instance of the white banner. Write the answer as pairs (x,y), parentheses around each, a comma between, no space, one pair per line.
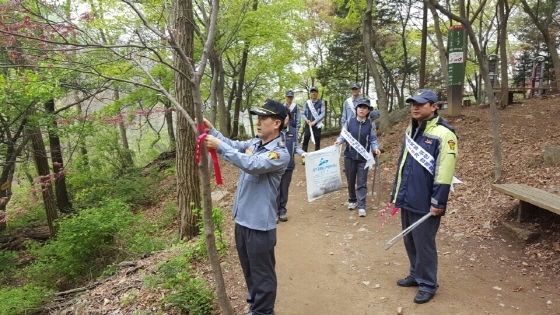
(322,172)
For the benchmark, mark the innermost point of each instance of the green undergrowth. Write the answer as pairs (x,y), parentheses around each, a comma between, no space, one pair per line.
(107,226)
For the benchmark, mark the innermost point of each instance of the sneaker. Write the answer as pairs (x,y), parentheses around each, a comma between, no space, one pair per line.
(407,282)
(283,218)
(423,297)
(362,212)
(352,205)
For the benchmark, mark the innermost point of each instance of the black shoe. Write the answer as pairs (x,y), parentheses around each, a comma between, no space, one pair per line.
(283,218)
(407,282)
(423,297)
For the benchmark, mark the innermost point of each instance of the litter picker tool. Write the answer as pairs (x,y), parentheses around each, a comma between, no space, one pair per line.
(395,239)
(376,178)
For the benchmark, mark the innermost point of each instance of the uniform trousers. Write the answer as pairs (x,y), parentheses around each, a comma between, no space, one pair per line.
(420,246)
(256,255)
(356,176)
(307,136)
(282,199)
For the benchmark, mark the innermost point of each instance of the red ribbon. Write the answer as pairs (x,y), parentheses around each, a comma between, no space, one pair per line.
(384,211)
(213,153)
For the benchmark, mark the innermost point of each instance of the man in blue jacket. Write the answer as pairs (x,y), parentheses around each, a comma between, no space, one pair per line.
(290,136)
(313,113)
(261,161)
(423,180)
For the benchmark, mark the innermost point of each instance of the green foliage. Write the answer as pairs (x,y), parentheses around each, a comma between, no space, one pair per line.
(84,243)
(91,188)
(15,301)
(144,236)
(8,261)
(186,291)
(221,245)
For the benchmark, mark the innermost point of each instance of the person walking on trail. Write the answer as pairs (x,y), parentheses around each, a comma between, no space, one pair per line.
(295,116)
(349,106)
(424,176)
(290,136)
(313,114)
(359,132)
(262,162)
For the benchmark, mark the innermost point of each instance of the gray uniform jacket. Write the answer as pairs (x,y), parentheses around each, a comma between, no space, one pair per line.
(261,169)
(349,109)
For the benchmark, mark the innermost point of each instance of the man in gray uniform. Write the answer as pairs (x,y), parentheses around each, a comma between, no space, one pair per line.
(261,161)
(349,106)
(295,115)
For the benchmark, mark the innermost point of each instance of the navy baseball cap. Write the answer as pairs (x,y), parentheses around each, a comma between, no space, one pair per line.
(290,93)
(313,89)
(270,108)
(364,101)
(356,86)
(423,96)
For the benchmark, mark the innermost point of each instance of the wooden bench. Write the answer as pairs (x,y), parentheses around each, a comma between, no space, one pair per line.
(529,197)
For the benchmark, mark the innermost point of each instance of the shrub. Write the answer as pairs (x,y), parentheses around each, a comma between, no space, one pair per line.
(83,246)
(16,301)
(221,244)
(90,189)
(187,292)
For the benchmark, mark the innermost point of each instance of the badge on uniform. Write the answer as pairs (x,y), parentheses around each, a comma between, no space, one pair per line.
(273,155)
(248,151)
(451,144)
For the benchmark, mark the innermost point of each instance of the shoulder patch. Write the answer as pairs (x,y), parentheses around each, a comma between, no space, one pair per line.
(273,155)
(451,144)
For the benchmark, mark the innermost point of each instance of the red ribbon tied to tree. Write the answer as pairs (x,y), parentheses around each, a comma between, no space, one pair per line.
(394,211)
(213,153)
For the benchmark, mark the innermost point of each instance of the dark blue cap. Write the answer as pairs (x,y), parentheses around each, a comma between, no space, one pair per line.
(290,93)
(423,96)
(269,108)
(364,101)
(356,86)
(313,89)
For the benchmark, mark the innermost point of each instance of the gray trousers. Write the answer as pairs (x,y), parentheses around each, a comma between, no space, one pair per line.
(282,199)
(355,172)
(256,255)
(420,246)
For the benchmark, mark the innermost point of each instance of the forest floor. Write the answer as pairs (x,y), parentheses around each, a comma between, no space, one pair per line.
(330,261)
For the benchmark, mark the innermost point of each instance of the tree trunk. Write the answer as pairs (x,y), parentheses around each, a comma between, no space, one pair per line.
(188,181)
(62,199)
(488,87)
(391,80)
(82,139)
(381,94)
(169,123)
(45,179)
(241,81)
(503,14)
(127,155)
(440,45)
(423,46)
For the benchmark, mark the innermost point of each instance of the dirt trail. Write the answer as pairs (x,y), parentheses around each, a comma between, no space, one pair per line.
(330,261)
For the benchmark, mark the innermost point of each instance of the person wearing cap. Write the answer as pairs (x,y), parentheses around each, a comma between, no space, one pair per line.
(262,162)
(290,135)
(359,133)
(349,106)
(295,117)
(313,114)
(422,183)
